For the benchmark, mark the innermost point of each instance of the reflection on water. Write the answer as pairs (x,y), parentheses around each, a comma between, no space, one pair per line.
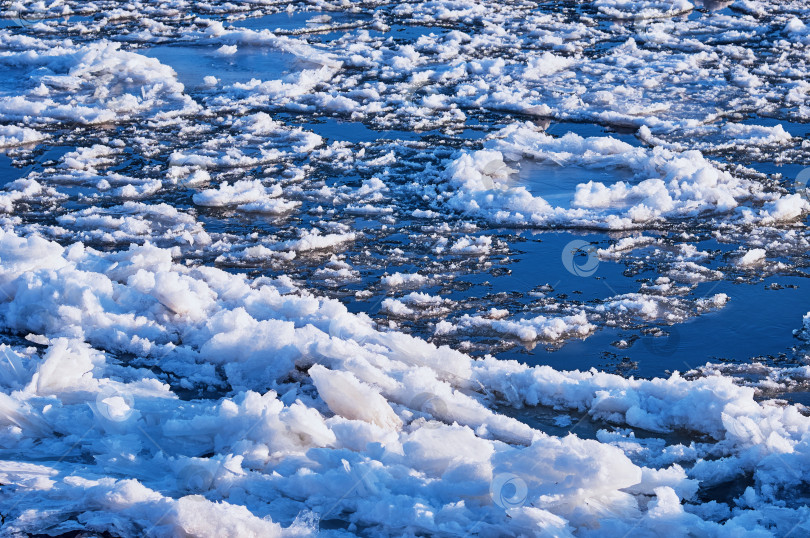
(557,183)
(292,22)
(586,130)
(193,64)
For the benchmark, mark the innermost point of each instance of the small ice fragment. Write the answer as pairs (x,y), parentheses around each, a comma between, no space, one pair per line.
(753,257)
(227,50)
(562,421)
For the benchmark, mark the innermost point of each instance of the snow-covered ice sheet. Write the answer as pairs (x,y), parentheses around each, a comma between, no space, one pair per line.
(344,421)
(442,268)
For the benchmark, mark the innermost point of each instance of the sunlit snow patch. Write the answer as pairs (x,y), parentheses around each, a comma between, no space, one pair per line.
(643,185)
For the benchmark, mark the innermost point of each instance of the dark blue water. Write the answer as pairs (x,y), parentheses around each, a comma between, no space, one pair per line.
(8,173)
(357,132)
(410,33)
(756,322)
(45,156)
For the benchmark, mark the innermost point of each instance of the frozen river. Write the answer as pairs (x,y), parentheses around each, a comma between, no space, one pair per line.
(442,268)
